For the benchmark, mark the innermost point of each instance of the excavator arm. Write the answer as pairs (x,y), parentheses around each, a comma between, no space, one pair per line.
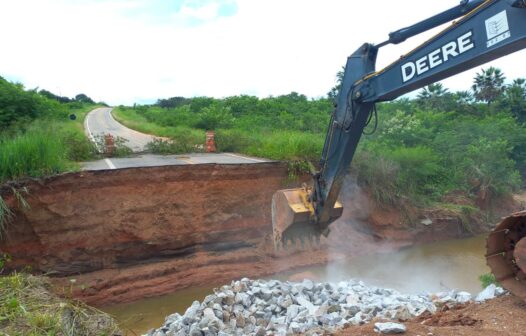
(484,31)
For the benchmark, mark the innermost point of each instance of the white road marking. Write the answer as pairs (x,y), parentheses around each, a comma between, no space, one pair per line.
(89,132)
(244,157)
(109,163)
(189,161)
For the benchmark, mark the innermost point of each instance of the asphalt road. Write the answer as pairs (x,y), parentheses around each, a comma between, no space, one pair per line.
(100,121)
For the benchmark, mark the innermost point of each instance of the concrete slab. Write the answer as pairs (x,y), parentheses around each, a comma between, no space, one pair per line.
(153,160)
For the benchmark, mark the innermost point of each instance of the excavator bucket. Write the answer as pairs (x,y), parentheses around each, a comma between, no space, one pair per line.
(293,219)
(506,253)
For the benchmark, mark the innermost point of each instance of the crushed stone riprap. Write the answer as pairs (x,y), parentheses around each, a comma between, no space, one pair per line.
(260,307)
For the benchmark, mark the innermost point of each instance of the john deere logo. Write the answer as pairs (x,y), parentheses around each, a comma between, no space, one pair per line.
(497,29)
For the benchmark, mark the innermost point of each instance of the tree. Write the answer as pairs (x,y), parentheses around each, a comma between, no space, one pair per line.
(19,106)
(51,95)
(82,98)
(173,102)
(464,98)
(488,85)
(435,96)
(333,94)
(432,91)
(515,99)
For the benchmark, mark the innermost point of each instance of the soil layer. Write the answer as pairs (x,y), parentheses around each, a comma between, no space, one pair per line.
(504,316)
(133,233)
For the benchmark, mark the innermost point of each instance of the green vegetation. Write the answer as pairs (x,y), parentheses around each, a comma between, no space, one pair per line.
(288,127)
(425,150)
(119,149)
(37,137)
(488,279)
(6,213)
(28,307)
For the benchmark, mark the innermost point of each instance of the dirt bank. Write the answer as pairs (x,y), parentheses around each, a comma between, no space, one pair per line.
(139,232)
(503,316)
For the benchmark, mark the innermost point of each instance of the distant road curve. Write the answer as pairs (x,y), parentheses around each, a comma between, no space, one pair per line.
(100,121)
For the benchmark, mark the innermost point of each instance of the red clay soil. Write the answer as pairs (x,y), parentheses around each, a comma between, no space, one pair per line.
(504,316)
(132,233)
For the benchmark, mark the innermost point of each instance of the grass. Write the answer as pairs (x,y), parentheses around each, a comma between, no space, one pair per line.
(179,139)
(36,152)
(130,118)
(282,145)
(45,147)
(28,307)
(286,145)
(488,279)
(6,215)
(466,214)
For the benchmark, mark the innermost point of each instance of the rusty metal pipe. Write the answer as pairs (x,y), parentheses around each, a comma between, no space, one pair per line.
(506,253)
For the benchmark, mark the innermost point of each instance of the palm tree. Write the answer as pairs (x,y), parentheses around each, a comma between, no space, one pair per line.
(516,98)
(464,97)
(432,91)
(433,96)
(489,85)
(333,94)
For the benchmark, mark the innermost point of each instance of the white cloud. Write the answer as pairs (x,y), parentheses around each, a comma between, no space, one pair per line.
(135,50)
(202,13)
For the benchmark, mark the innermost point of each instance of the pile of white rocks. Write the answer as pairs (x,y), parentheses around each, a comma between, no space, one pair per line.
(259,307)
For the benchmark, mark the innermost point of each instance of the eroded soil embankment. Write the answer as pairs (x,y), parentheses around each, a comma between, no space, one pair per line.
(133,233)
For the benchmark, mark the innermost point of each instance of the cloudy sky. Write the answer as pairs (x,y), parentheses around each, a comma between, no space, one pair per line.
(135,51)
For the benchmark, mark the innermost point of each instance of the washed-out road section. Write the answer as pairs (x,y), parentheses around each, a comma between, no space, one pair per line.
(100,121)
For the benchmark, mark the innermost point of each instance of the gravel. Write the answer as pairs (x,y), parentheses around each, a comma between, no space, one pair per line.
(259,307)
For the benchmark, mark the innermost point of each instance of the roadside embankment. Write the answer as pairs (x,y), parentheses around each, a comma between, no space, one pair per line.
(139,232)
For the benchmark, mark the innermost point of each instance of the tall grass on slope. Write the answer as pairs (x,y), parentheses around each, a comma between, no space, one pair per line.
(34,153)
(286,145)
(28,306)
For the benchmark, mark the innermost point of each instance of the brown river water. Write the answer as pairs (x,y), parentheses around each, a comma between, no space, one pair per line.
(440,266)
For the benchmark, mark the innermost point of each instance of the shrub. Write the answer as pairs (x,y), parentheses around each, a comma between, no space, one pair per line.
(232,140)
(161,146)
(287,145)
(183,140)
(79,147)
(379,175)
(488,279)
(120,148)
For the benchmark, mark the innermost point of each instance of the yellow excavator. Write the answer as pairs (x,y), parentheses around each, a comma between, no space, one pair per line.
(484,30)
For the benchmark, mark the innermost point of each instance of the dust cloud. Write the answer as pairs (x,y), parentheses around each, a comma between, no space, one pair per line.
(432,267)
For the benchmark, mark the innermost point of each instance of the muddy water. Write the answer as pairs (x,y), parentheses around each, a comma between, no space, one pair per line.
(141,316)
(434,267)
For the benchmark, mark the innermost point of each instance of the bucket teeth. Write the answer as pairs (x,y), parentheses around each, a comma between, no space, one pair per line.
(303,237)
